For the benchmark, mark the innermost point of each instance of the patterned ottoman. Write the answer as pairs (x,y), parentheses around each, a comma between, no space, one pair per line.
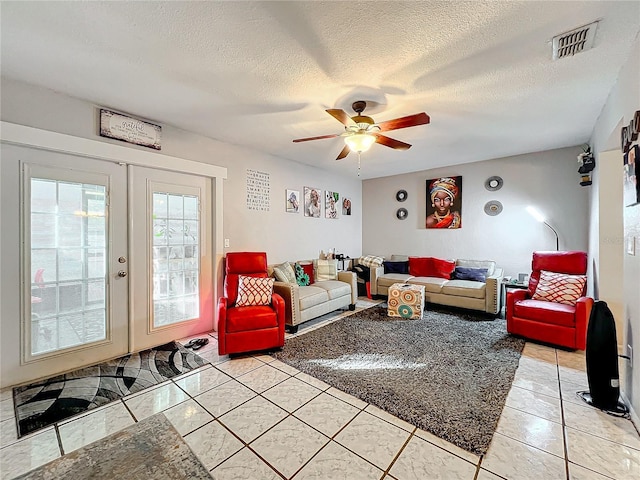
(405,301)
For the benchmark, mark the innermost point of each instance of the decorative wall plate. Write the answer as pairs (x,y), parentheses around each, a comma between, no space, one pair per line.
(402,195)
(493,183)
(402,213)
(492,208)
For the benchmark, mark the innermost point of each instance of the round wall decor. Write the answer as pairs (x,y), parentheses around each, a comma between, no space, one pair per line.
(402,195)
(402,213)
(493,183)
(492,208)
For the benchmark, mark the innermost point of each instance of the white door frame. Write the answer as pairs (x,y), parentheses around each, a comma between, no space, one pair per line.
(21,135)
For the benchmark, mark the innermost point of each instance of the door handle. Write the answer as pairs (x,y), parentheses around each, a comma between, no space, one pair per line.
(122,273)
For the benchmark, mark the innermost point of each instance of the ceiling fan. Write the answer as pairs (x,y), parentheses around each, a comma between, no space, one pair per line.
(360,131)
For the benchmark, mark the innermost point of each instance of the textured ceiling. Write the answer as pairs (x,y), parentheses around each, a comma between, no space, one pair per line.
(260,74)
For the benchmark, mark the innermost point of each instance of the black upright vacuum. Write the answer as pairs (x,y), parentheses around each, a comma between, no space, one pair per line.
(602,362)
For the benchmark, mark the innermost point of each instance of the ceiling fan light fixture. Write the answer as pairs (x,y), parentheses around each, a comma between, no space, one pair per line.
(359,142)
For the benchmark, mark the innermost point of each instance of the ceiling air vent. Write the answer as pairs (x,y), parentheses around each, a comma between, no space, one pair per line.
(575,41)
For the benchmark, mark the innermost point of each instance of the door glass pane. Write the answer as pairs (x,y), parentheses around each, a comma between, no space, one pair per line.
(68,265)
(176,265)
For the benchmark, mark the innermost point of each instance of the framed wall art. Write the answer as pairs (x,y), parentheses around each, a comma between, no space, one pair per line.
(293,201)
(312,202)
(346,206)
(444,202)
(331,200)
(631,185)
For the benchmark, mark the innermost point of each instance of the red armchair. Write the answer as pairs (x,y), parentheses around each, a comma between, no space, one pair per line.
(547,321)
(248,328)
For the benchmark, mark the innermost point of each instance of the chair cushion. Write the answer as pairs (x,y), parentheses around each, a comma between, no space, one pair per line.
(311,296)
(431,284)
(285,273)
(559,287)
(241,319)
(465,288)
(254,291)
(334,288)
(545,312)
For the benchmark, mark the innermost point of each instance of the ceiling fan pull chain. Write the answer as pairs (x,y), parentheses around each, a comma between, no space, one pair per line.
(358,163)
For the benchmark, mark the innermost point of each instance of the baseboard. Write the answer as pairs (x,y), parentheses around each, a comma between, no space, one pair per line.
(634,415)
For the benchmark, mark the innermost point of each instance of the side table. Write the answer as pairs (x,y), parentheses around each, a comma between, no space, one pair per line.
(511,284)
(405,301)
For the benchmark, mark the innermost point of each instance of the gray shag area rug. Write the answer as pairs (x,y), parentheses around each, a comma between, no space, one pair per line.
(448,373)
(152,448)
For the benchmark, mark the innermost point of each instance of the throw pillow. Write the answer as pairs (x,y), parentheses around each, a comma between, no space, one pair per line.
(468,273)
(443,268)
(431,267)
(559,287)
(254,291)
(396,267)
(420,266)
(308,269)
(301,277)
(370,261)
(326,270)
(285,273)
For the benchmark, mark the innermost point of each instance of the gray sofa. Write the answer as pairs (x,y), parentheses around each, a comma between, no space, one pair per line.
(319,298)
(474,295)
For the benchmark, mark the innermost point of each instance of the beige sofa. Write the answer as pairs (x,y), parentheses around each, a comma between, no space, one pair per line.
(319,298)
(483,296)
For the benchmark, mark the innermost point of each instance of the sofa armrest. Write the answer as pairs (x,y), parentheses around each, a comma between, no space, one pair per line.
(583,312)
(493,291)
(291,295)
(222,325)
(352,279)
(375,273)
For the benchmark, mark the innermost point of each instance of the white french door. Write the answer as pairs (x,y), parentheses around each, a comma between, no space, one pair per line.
(171,250)
(99,259)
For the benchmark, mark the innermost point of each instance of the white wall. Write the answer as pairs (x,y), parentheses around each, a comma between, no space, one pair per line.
(620,107)
(284,236)
(547,180)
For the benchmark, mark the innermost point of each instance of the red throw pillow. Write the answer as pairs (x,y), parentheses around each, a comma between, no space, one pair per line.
(308,269)
(443,268)
(431,267)
(420,266)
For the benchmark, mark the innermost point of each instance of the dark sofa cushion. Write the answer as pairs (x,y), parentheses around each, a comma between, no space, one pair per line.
(468,273)
(396,267)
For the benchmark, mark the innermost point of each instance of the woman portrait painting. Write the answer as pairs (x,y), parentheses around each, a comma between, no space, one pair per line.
(312,202)
(631,186)
(444,202)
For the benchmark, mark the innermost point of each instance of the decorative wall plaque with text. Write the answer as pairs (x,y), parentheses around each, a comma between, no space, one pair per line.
(258,191)
(129,129)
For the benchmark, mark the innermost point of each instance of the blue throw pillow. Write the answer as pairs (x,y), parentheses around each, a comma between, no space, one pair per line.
(468,273)
(396,267)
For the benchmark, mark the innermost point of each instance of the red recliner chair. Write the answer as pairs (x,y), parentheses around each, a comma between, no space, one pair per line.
(253,327)
(548,321)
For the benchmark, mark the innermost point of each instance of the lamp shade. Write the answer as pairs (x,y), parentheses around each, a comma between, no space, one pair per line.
(359,142)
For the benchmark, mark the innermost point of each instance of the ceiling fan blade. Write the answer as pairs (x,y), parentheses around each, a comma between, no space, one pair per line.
(390,142)
(315,138)
(345,151)
(341,116)
(404,122)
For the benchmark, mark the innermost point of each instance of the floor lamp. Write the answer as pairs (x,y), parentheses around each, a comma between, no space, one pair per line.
(539,217)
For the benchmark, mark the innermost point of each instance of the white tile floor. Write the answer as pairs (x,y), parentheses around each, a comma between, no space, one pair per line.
(257,418)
